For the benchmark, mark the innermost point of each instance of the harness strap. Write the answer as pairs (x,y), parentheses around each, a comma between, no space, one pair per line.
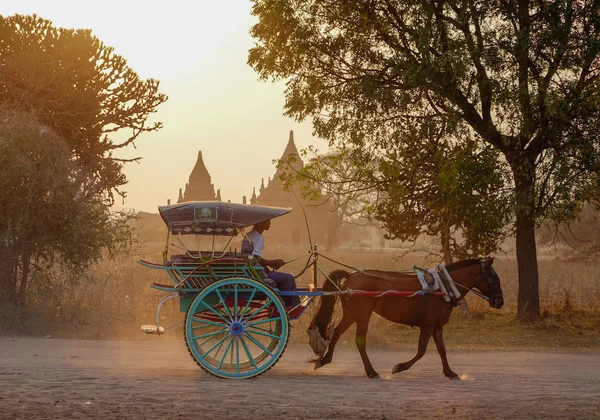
(418,315)
(449,284)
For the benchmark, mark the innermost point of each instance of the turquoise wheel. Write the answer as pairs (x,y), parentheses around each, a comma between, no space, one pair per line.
(236,328)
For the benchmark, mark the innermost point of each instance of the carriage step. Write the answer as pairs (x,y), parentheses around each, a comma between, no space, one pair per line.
(152,329)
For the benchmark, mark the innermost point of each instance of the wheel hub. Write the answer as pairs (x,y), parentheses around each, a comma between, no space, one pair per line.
(236,328)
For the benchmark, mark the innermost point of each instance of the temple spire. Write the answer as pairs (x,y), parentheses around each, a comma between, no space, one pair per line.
(262,186)
(199,186)
(291,148)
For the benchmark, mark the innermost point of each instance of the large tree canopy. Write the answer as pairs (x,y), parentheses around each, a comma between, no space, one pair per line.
(63,96)
(521,75)
(428,185)
(81,89)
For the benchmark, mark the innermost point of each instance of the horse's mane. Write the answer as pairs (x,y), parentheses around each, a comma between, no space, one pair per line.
(463,263)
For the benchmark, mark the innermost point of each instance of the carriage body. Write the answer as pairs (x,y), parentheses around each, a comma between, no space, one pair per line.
(235,325)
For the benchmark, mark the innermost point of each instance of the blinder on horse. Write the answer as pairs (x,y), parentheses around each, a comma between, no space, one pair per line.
(495,298)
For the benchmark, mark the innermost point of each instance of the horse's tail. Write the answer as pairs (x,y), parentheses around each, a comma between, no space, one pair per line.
(325,311)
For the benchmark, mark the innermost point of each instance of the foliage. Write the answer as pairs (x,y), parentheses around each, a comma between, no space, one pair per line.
(428,185)
(521,75)
(43,217)
(580,239)
(453,192)
(79,88)
(64,96)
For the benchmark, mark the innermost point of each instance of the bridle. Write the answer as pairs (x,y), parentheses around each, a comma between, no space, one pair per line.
(491,278)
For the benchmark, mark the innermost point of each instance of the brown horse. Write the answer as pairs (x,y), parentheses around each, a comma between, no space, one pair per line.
(429,313)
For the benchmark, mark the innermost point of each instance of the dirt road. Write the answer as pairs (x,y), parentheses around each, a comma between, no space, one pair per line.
(51,378)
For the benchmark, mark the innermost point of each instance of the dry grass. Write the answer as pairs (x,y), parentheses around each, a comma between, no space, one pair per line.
(114,298)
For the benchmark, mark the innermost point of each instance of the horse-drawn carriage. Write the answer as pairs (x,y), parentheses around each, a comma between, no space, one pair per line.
(236,324)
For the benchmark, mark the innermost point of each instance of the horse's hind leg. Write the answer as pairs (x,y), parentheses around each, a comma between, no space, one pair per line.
(362,327)
(438,337)
(340,329)
(424,337)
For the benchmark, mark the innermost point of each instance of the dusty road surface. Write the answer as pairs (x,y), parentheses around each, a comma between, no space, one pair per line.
(51,378)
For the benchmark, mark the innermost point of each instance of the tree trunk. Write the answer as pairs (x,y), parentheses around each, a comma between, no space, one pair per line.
(8,273)
(528,306)
(446,248)
(25,266)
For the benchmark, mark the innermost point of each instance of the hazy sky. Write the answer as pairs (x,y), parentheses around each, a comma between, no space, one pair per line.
(198,50)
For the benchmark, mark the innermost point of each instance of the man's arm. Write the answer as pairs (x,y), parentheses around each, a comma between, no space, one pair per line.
(274,264)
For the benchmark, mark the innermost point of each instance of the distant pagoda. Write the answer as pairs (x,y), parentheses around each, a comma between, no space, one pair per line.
(199,186)
(324,220)
(274,194)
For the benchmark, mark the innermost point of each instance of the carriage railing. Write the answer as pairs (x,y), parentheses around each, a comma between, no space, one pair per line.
(188,277)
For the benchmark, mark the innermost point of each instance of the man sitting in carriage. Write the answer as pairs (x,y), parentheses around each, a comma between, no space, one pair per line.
(253,243)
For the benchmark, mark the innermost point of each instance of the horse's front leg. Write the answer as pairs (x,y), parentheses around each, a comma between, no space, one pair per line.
(424,336)
(340,329)
(438,337)
(362,327)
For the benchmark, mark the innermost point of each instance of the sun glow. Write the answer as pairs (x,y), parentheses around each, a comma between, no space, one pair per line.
(198,51)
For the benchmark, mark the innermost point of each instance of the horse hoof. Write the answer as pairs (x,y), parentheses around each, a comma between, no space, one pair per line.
(373,375)
(454,378)
(398,368)
(318,364)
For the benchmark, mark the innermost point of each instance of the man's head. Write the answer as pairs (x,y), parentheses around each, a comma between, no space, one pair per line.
(262,226)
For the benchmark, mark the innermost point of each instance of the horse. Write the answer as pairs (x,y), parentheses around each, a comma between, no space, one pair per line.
(429,312)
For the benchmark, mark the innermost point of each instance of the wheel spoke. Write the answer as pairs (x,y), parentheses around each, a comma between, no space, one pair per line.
(225,353)
(266,334)
(248,303)
(218,349)
(237,355)
(204,342)
(258,343)
(208,323)
(235,302)
(211,334)
(215,346)
(262,329)
(216,313)
(267,303)
(263,321)
(199,327)
(250,357)
(225,307)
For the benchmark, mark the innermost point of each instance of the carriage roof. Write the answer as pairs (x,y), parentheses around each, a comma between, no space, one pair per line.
(215,217)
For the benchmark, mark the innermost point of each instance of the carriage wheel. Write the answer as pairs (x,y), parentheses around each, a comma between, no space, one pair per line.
(236,328)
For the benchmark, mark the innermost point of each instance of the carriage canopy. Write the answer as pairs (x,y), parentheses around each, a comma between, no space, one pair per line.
(215,217)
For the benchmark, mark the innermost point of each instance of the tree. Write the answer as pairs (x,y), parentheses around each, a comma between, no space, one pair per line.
(80,89)
(427,185)
(63,94)
(521,75)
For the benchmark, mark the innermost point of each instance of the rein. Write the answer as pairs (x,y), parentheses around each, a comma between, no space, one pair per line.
(475,292)
(363,271)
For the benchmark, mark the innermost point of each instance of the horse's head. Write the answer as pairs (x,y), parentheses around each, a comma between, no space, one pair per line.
(489,283)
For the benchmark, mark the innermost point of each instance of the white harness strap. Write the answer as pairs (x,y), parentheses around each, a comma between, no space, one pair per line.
(442,269)
(438,284)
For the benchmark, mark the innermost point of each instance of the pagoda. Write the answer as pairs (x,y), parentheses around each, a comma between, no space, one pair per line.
(199,186)
(323,220)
